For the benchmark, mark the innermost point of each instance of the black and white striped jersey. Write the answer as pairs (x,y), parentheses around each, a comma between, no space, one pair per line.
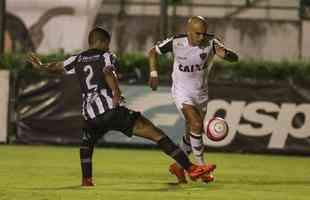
(89,67)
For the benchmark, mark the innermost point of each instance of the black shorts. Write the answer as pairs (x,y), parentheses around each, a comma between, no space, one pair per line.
(117,119)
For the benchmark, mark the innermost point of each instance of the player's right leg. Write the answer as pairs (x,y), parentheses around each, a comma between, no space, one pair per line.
(195,123)
(191,141)
(185,143)
(144,128)
(86,154)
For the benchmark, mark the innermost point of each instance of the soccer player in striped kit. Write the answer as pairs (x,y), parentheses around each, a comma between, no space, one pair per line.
(101,109)
(193,54)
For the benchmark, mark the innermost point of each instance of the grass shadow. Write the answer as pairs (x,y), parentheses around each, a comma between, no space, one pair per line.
(173,186)
(72,187)
(266,182)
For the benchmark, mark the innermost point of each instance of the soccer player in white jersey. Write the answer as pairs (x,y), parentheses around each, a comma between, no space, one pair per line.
(193,52)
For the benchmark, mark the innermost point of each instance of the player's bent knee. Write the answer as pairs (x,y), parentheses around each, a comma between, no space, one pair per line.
(145,128)
(142,123)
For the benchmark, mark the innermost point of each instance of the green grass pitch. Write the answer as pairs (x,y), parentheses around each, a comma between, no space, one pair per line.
(53,173)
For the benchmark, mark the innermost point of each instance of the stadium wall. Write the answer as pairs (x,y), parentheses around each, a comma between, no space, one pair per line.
(259,39)
(305,39)
(4,99)
(53,26)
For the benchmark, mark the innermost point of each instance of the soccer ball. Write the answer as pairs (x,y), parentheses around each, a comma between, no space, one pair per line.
(216,128)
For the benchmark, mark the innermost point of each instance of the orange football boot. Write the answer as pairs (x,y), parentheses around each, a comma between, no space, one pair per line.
(179,172)
(197,171)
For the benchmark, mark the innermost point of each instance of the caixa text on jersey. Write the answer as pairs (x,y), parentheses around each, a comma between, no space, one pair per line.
(191,68)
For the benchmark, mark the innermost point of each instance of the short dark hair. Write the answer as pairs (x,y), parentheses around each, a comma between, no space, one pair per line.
(98,33)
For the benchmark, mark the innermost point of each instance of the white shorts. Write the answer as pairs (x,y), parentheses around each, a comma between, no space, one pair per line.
(199,101)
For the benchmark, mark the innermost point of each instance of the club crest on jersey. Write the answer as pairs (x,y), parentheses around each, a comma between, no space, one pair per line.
(203,56)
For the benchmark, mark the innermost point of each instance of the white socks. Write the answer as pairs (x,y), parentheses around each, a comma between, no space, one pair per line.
(197,147)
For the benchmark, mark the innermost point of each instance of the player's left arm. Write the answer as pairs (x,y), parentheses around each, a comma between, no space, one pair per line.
(223,52)
(35,61)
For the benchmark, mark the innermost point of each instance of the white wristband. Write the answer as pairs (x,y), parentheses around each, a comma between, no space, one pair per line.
(154,74)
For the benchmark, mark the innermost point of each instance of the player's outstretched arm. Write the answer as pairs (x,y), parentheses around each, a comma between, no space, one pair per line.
(224,52)
(35,61)
(153,79)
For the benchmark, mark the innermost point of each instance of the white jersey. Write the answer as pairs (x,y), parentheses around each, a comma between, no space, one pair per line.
(190,68)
